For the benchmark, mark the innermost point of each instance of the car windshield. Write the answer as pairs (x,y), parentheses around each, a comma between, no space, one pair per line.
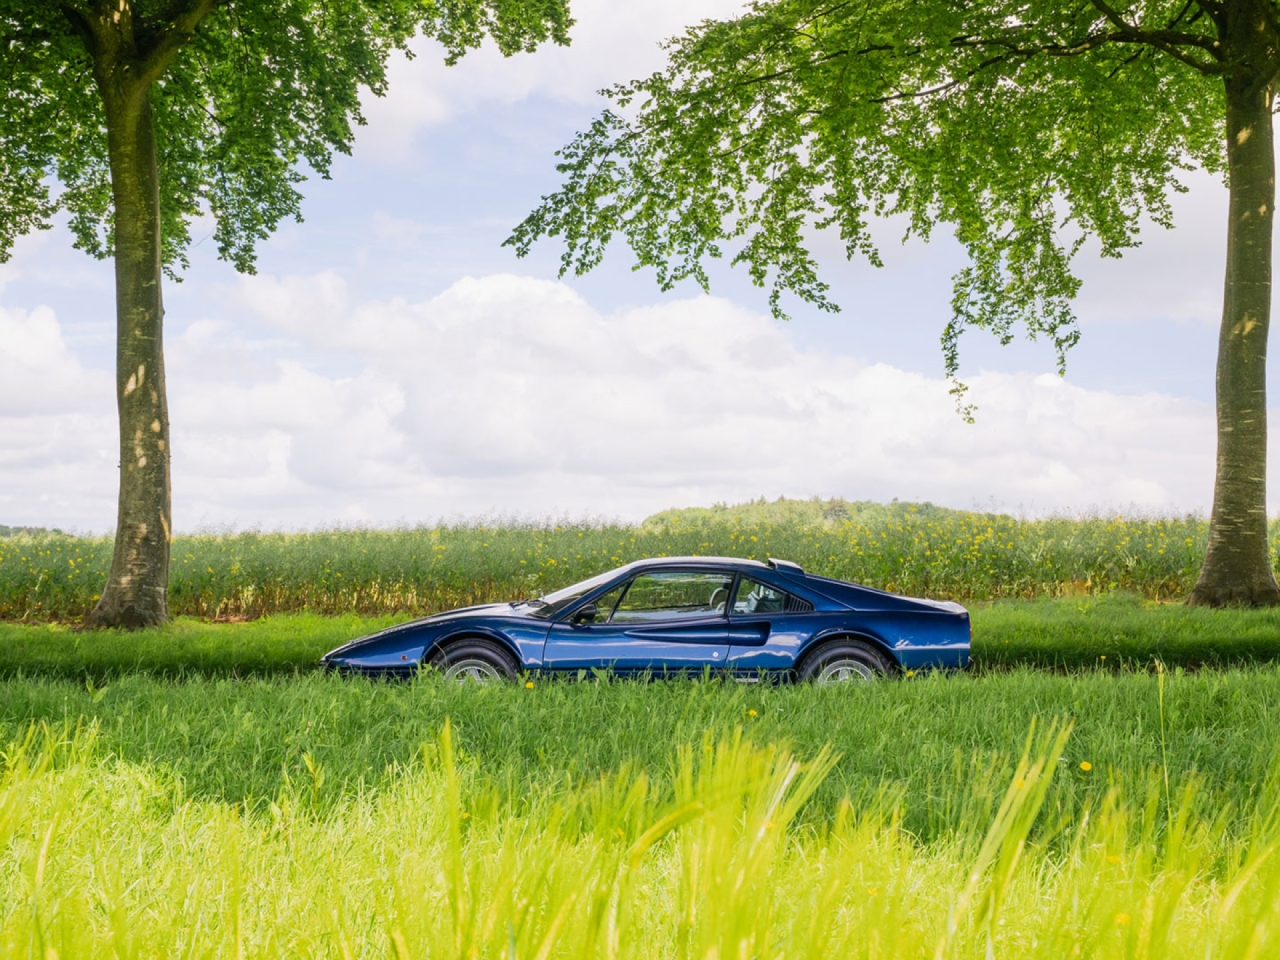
(558,600)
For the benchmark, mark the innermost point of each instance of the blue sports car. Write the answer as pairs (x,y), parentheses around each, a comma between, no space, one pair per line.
(679,614)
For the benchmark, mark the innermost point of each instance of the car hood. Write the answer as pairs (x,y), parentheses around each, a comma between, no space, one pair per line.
(504,610)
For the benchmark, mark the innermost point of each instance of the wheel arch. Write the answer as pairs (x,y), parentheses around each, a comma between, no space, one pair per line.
(474,633)
(837,634)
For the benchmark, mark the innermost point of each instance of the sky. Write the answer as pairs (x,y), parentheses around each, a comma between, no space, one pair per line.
(392,363)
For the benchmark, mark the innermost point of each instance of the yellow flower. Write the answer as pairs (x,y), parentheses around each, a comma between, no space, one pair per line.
(1122,918)
(528,685)
(1086,766)
(911,673)
(751,713)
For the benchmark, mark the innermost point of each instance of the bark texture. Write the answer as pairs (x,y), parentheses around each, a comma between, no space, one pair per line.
(136,592)
(1237,563)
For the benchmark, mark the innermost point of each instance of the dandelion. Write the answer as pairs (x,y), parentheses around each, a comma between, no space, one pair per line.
(1086,766)
(911,673)
(752,713)
(528,685)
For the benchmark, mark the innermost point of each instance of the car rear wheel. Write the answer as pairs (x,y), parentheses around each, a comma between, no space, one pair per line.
(475,661)
(844,661)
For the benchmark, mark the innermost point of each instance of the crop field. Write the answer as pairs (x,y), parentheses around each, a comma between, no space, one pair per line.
(908,548)
(1104,783)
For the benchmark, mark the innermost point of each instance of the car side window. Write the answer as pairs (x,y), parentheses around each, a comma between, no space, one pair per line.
(756,597)
(603,605)
(673,595)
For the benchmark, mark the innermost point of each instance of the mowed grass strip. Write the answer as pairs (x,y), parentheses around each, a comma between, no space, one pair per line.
(1112,632)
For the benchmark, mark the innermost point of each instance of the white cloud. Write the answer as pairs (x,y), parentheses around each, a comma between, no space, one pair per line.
(58,443)
(513,395)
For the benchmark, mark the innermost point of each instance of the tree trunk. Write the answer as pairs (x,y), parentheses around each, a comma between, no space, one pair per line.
(1237,564)
(136,593)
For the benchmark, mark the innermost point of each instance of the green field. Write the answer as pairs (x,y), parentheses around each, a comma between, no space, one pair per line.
(316,816)
(909,548)
(202,790)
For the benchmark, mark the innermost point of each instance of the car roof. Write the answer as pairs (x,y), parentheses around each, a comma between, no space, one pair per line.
(699,561)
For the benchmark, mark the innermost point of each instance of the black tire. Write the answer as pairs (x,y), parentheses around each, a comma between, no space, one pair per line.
(475,660)
(845,661)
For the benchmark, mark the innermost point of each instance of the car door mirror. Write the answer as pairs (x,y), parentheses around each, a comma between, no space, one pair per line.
(585,615)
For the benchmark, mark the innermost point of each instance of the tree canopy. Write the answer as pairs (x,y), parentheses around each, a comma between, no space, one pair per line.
(1025,127)
(243,93)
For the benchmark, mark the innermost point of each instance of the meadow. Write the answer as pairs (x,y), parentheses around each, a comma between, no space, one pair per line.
(1022,814)
(909,548)
(1104,783)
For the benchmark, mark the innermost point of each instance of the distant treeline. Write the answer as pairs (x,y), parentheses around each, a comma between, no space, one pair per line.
(913,548)
(30,531)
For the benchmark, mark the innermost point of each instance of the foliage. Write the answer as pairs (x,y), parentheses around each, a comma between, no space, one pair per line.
(909,548)
(243,91)
(682,844)
(1026,128)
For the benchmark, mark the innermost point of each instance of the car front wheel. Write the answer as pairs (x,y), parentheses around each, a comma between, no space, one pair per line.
(475,661)
(844,661)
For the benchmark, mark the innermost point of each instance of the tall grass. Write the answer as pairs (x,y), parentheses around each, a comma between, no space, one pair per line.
(908,548)
(941,747)
(102,857)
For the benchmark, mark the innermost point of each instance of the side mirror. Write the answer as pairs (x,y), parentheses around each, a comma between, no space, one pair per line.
(586,614)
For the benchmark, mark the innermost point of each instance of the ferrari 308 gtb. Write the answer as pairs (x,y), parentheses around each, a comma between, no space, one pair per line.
(679,615)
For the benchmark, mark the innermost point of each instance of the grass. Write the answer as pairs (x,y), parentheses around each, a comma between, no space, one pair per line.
(930,742)
(910,548)
(1114,631)
(1105,783)
(330,818)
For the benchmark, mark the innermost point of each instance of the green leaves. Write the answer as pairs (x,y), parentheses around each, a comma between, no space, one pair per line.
(1025,128)
(259,89)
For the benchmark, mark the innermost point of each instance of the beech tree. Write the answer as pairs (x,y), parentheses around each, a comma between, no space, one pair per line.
(1025,126)
(148,113)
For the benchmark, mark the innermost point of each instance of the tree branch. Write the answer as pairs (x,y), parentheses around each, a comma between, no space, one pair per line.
(1167,40)
(182,24)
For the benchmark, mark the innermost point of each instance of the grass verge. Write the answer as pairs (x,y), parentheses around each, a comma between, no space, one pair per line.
(1116,631)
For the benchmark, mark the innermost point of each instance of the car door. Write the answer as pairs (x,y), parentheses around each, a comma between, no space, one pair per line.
(767,627)
(660,620)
